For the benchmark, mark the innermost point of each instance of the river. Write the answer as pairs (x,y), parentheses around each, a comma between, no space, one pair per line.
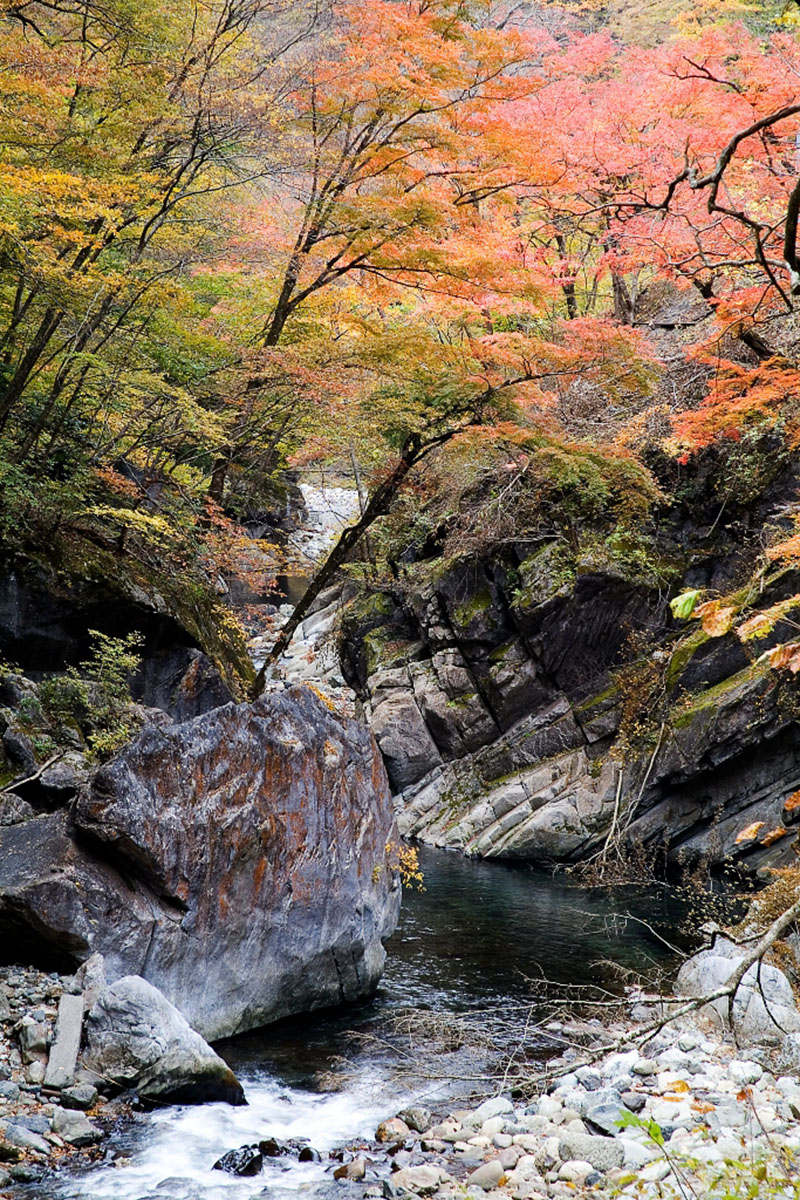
(466,950)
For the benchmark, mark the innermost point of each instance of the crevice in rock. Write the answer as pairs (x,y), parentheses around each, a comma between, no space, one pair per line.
(479,689)
(137,879)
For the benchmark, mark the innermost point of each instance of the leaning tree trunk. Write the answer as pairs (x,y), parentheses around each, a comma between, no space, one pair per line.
(377,506)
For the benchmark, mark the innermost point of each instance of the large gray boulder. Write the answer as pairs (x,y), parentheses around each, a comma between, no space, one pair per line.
(137,1039)
(236,861)
(764,1010)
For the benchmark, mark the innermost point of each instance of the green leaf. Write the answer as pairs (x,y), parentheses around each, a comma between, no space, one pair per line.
(683,606)
(629,1120)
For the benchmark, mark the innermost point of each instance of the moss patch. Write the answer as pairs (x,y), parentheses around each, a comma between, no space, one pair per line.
(479,602)
(612,692)
(700,702)
(545,574)
(683,654)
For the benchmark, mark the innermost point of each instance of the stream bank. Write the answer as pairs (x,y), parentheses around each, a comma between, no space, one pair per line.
(464,953)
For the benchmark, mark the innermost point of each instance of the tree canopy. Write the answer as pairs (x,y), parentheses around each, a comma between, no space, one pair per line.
(244,233)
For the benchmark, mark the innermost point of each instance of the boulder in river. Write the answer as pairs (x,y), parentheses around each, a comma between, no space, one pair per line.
(247,1160)
(237,861)
(137,1039)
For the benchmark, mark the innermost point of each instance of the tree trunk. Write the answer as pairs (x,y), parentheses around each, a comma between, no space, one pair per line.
(47,327)
(623,305)
(219,475)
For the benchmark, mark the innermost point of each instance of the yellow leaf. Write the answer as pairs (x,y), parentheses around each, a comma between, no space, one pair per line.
(750,832)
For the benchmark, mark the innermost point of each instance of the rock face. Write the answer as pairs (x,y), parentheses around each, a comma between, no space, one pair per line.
(45,621)
(236,861)
(763,1010)
(137,1039)
(494,698)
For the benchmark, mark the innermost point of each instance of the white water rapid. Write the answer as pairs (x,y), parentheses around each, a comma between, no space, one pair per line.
(176,1157)
(312,657)
(329,509)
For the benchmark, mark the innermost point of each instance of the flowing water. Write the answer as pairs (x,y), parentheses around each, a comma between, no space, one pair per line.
(466,948)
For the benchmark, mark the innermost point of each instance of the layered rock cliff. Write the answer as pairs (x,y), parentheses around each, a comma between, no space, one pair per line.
(539,703)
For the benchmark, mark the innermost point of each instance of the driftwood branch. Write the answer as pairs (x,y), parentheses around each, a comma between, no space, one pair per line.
(12,787)
(683,1006)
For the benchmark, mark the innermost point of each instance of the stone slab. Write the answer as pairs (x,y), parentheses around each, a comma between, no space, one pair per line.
(64,1053)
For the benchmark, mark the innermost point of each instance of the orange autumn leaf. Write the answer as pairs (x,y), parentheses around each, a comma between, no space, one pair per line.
(792,802)
(715,619)
(774,835)
(786,657)
(750,832)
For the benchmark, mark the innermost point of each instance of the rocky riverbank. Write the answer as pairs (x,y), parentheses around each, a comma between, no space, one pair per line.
(684,1113)
(657,1101)
(677,1116)
(40,1126)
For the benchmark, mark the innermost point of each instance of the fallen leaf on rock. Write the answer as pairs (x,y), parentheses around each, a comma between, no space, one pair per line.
(750,832)
(715,620)
(787,656)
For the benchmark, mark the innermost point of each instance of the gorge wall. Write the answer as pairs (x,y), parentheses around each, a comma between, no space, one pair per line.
(531,703)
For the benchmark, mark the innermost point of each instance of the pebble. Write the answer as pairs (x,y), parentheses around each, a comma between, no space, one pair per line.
(393,1130)
(423,1180)
(575,1171)
(35,1073)
(80,1095)
(25,1139)
(493,1107)
(352,1171)
(416,1118)
(486,1176)
(75,1128)
(745,1072)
